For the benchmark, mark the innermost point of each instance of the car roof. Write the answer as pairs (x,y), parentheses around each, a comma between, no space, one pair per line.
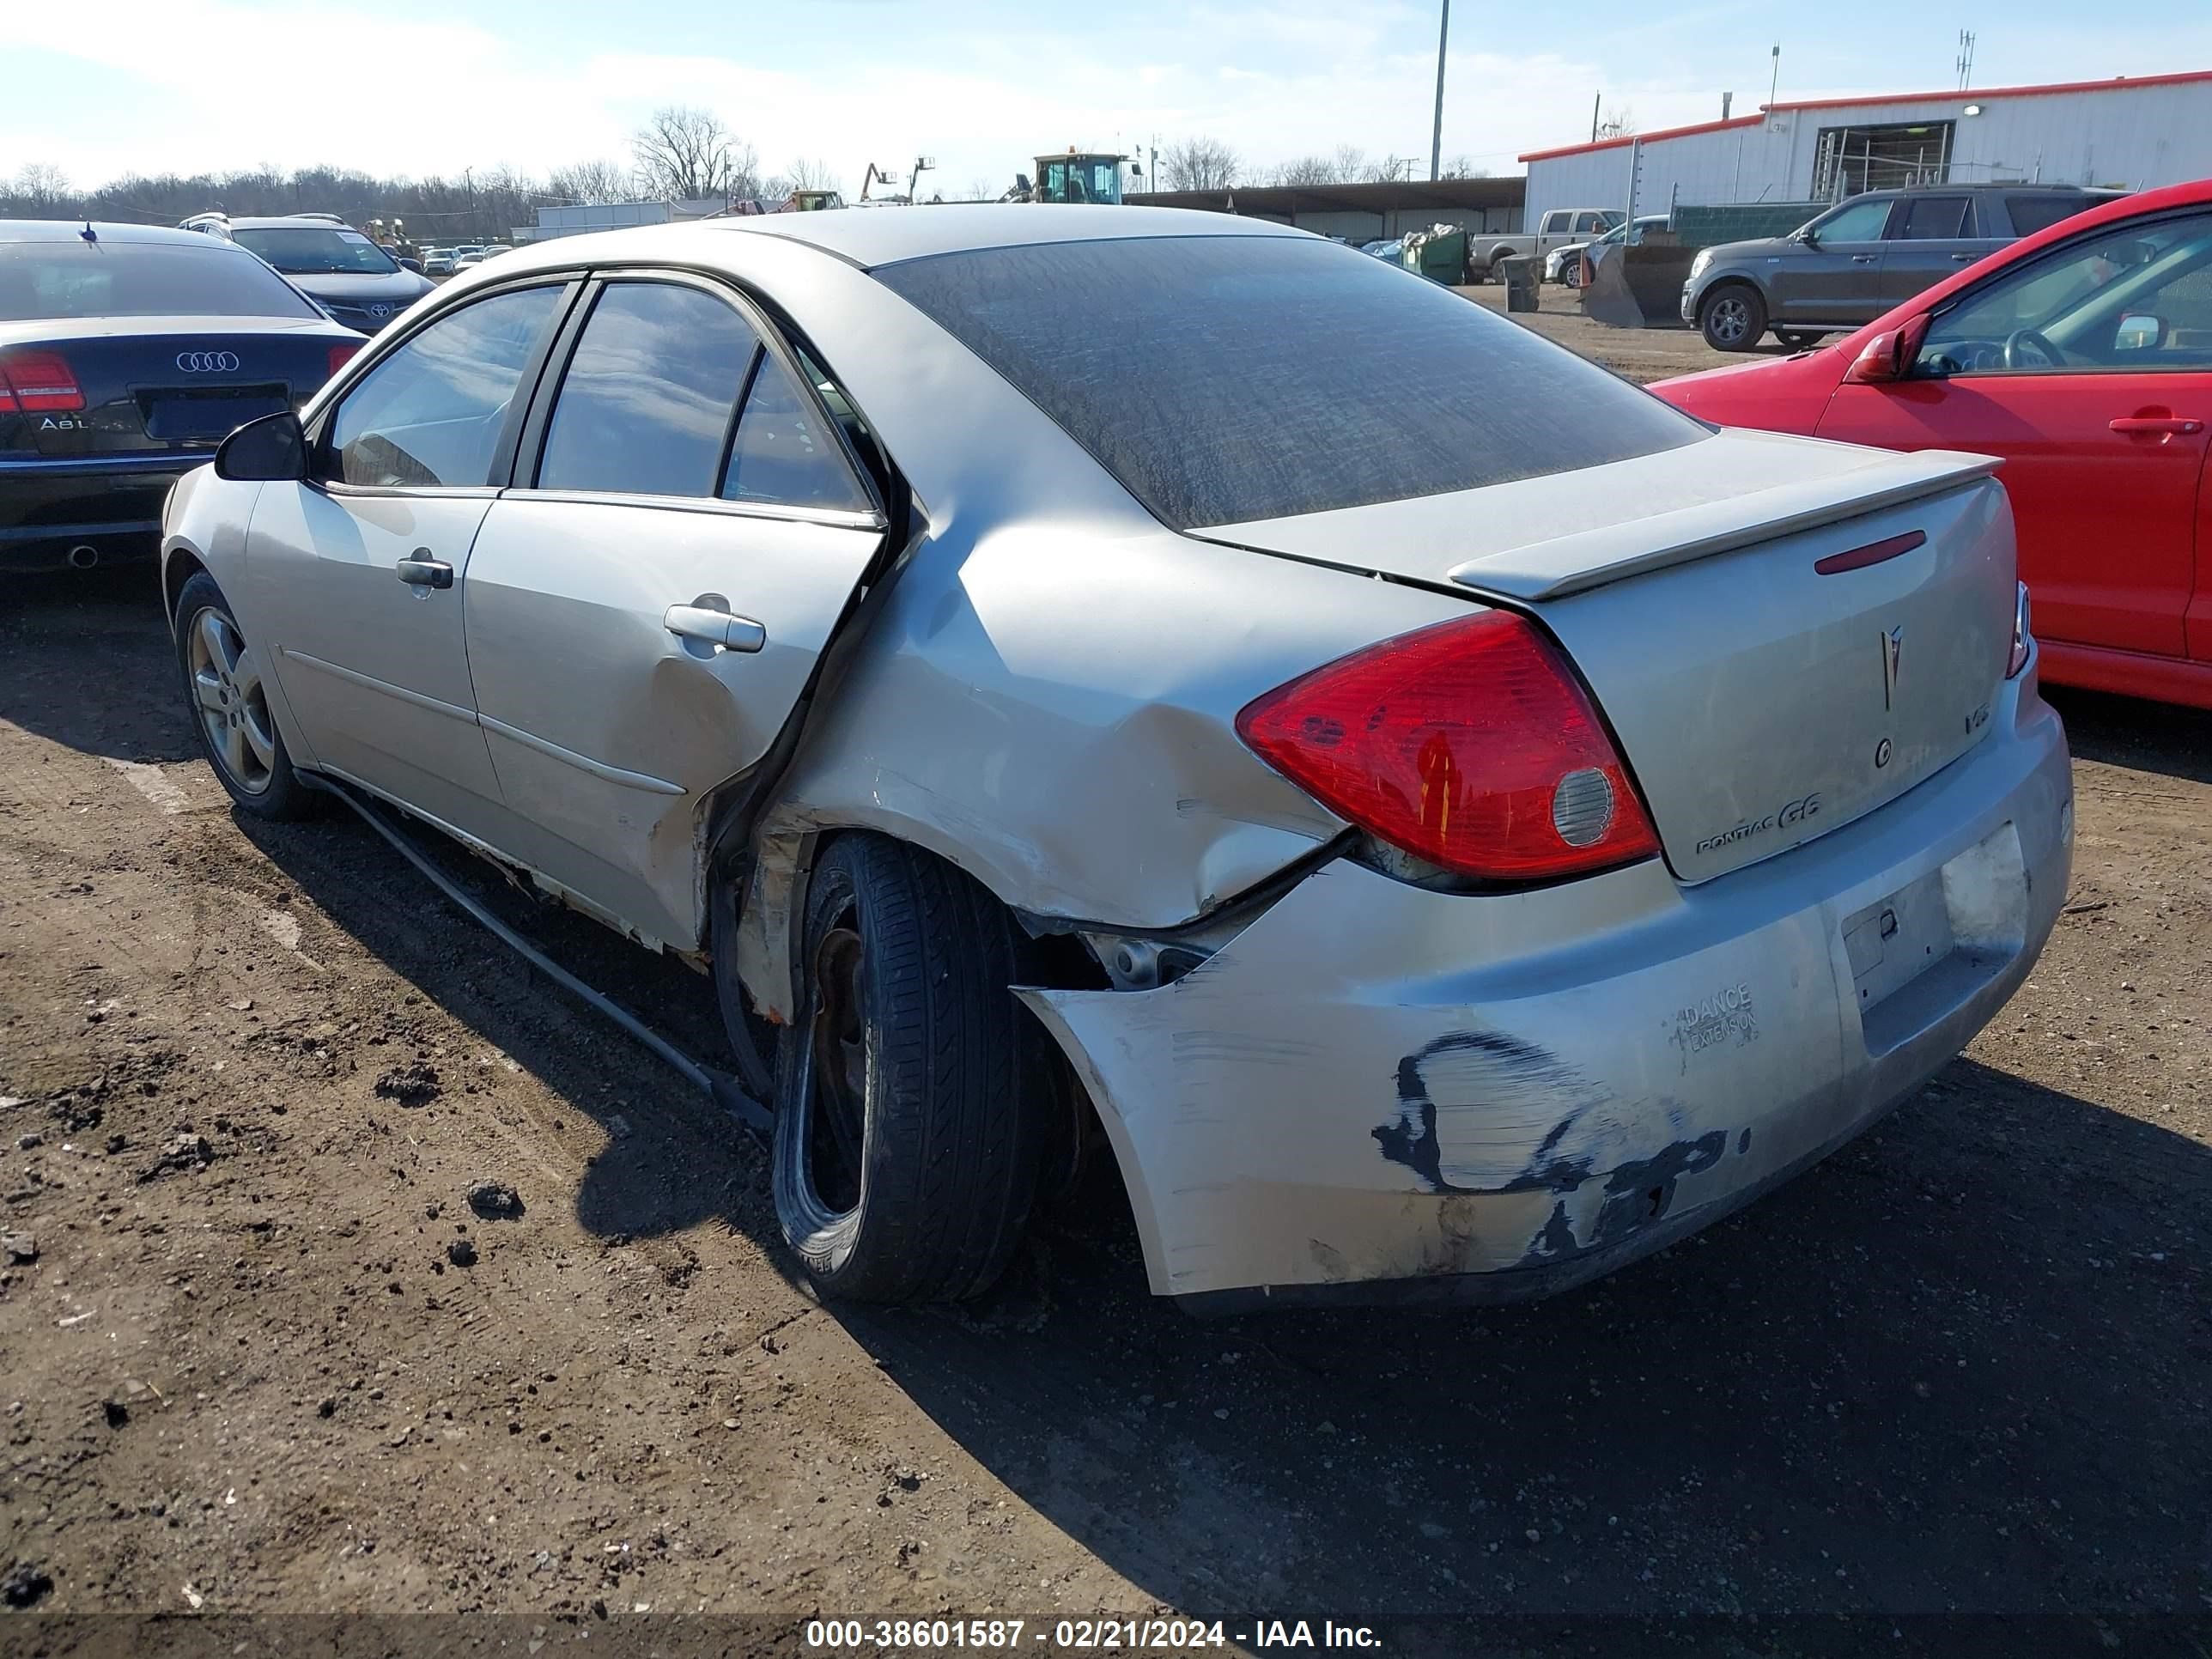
(290,221)
(71,230)
(869,237)
(1979,187)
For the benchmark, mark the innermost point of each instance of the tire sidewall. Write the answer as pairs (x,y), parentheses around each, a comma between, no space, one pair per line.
(1755,306)
(831,1245)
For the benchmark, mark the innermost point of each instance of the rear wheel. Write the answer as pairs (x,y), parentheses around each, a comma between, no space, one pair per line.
(912,1089)
(1733,317)
(229,700)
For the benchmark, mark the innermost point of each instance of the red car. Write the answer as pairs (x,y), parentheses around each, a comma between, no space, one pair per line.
(2082,354)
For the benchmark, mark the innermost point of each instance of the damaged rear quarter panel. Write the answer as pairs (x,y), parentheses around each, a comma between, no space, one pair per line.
(1053,709)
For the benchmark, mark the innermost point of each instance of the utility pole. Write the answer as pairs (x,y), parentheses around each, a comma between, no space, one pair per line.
(1597,102)
(1436,134)
(1774,85)
(1966,58)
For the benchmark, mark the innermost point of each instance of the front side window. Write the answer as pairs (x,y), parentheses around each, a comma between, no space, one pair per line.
(1934,219)
(2137,297)
(193,276)
(307,251)
(1860,221)
(432,412)
(645,407)
(1224,379)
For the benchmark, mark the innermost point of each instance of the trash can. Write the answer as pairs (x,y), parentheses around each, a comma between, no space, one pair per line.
(1521,286)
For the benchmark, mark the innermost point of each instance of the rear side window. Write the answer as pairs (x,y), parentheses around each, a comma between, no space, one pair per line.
(1933,218)
(785,454)
(2033,213)
(200,278)
(1230,378)
(645,404)
(432,412)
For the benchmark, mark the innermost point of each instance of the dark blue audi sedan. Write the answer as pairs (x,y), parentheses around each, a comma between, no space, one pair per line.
(126,354)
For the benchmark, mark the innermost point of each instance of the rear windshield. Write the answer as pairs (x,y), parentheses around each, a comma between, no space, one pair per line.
(1230,378)
(299,252)
(140,279)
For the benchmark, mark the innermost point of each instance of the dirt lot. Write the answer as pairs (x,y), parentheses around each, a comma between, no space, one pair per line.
(249,1075)
(1643,355)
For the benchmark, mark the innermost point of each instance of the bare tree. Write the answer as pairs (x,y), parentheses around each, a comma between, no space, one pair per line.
(813,175)
(1459,166)
(593,182)
(1618,121)
(40,184)
(684,154)
(980,188)
(1305,170)
(1390,170)
(1198,164)
(1351,164)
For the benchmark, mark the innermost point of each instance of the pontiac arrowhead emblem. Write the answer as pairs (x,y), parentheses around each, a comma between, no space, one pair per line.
(1892,659)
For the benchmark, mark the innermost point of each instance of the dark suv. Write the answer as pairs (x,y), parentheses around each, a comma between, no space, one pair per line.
(335,265)
(1863,256)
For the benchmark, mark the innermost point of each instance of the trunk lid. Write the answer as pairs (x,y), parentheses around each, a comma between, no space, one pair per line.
(1784,636)
(163,384)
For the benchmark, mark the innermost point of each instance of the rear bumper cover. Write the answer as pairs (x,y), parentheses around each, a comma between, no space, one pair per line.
(111,503)
(1387,1092)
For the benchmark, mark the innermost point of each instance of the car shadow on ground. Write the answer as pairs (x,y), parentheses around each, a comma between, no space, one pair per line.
(89,664)
(2145,737)
(1959,1364)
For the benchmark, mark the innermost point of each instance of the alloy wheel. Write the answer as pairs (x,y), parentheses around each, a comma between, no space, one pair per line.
(232,702)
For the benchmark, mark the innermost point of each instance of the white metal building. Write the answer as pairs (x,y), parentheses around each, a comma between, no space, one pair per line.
(2153,130)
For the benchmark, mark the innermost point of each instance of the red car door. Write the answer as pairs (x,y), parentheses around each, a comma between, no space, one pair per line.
(2089,368)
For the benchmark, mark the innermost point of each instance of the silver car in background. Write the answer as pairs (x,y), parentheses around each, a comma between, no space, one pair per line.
(1448,823)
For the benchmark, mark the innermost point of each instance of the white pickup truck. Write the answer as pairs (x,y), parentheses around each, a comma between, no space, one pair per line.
(1557,227)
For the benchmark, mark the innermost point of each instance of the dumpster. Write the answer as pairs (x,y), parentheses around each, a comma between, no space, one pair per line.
(1438,253)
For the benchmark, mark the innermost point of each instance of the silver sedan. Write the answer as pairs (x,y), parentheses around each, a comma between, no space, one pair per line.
(1092,680)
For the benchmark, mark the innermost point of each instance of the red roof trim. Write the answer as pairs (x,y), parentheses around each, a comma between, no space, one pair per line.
(1971,95)
(1621,144)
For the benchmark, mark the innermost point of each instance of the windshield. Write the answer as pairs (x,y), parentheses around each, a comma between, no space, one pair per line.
(1230,378)
(201,278)
(303,251)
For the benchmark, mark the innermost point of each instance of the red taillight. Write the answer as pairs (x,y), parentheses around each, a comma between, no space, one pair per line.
(38,382)
(340,356)
(1468,744)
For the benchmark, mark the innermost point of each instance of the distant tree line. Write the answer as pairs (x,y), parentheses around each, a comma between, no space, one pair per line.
(1209,164)
(681,154)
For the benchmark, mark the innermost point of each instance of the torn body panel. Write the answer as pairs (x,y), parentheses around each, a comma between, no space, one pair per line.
(1378,1083)
(1028,709)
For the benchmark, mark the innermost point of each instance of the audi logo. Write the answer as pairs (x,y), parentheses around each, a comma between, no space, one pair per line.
(208,362)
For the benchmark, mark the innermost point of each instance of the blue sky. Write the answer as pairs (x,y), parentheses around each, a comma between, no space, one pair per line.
(103,86)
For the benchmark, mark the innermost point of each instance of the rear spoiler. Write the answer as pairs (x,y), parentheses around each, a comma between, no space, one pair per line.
(1610,553)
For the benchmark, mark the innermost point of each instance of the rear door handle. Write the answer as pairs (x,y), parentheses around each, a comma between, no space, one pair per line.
(1964,258)
(419,569)
(694,622)
(2180,424)
(1864,259)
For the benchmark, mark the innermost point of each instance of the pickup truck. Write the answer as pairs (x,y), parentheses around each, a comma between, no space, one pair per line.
(1557,227)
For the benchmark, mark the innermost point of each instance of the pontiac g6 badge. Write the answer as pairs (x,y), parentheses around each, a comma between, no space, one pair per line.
(1893,659)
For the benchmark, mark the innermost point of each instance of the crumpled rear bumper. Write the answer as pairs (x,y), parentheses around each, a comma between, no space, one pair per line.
(1380,1089)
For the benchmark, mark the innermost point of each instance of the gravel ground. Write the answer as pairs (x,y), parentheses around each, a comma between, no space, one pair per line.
(263,1353)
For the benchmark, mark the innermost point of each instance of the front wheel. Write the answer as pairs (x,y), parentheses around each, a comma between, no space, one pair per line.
(227,696)
(1798,339)
(912,1092)
(1733,317)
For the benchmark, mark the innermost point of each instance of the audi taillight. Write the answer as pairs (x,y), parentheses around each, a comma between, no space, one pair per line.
(1468,744)
(38,382)
(341,356)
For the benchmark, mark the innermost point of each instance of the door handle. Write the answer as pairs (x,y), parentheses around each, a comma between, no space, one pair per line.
(696,622)
(1864,258)
(1963,258)
(2181,425)
(419,569)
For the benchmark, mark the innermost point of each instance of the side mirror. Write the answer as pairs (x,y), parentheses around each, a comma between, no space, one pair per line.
(415,265)
(272,448)
(2139,330)
(1806,235)
(1889,356)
